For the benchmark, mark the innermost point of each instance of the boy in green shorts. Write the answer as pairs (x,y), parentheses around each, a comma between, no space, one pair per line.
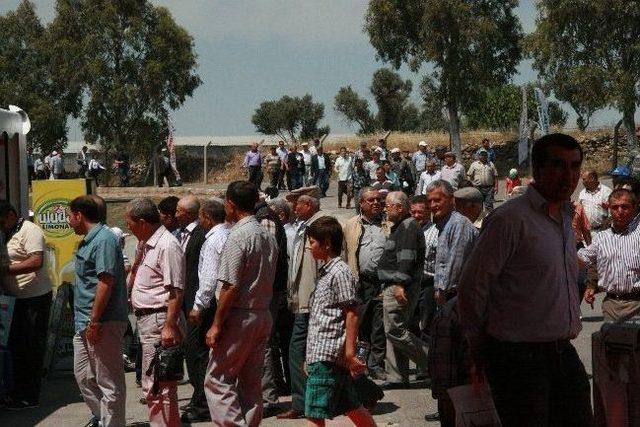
(331,359)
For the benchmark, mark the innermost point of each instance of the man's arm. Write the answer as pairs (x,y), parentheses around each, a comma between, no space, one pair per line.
(103,294)
(32,263)
(356,366)
(228,295)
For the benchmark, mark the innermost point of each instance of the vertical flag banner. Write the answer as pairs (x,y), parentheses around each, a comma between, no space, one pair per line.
(543,111)
(51,201)
(171,147)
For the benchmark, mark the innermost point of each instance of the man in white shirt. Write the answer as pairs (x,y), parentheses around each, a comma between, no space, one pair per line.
(306,154)
(452,171)
(594,198)
(427,177)
(344,168)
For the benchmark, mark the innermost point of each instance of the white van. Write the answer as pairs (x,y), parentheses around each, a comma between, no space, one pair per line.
(14,183)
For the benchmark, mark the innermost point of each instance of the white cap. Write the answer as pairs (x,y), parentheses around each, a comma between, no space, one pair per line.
(395,150)
(422,143)
(54,153)
(379,149)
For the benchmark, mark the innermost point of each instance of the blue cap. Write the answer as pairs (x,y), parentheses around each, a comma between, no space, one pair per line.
(621,171)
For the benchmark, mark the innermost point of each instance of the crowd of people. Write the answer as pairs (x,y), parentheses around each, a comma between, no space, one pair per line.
(385,170)
(268,296)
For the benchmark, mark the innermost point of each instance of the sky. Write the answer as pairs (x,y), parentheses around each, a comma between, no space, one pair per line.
(252,51)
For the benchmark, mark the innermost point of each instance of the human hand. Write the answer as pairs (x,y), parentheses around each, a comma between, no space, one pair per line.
(590,296)
(213,336)
(93,332)
(356,366)
(194,317)
(170,335)
(400,294)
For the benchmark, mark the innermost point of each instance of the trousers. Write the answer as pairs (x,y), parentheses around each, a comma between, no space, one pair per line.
(99,372)
(162,407)
(297,354)
(538,384)
(233,381)
(197,358)
(27,341)
(402,344)
(371,328)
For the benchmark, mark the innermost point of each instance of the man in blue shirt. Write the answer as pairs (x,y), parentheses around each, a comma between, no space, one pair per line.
(100,313)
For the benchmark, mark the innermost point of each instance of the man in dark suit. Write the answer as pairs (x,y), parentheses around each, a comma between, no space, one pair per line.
(321,170)
(191,237)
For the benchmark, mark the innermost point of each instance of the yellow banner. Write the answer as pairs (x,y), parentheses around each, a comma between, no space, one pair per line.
(50,206)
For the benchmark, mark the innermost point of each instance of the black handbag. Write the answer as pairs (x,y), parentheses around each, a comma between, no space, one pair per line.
(167,365)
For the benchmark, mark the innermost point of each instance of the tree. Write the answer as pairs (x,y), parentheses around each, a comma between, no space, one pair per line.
(26,77)
(128,64)
(355,109)
(391,94)
(592,47)
(499,109)
(290,118)
(433,116)
(471,44)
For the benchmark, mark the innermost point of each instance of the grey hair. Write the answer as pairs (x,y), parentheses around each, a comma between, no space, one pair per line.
(190,203)
(365,190)
(399,197)
(280,205)
(315,203)
(214,208)
(143,208)
(440,184)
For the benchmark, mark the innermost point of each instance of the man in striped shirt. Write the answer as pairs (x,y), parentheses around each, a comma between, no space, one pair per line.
(615,252)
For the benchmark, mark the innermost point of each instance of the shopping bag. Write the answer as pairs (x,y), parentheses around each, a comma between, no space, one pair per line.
(474,406)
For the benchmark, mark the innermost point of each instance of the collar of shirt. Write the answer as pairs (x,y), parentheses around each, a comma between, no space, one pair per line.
(92,233)
(328,266)
(191,227)
(244,221)
(541,204)
(215,228)
(440,223)
(375,221)
(633,225)
(596,191)
(153,240)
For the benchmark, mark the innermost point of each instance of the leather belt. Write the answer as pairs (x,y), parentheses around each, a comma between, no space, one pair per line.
(139,312)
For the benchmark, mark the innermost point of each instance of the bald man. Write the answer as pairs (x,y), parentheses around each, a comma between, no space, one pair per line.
(191,237)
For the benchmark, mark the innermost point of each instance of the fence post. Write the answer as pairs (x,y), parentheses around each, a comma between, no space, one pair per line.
(206,161)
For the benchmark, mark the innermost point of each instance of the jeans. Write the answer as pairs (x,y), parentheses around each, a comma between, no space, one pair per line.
(371,328)
(487,196)
(322,180)
(297,355)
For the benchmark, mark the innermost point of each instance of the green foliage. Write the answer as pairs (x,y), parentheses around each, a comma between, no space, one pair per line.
(588,51)
(26,77)
(433,116)
(127,63)
(391,94)
(290,118)
(471,44)
(354,110)
(500,109)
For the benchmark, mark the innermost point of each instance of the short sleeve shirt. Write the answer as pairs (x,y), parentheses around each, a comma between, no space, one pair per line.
(249,263)
(162,267)
(335,290)
(99,252)
(29,239)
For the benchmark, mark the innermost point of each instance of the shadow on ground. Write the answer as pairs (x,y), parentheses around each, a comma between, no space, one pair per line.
(58,391)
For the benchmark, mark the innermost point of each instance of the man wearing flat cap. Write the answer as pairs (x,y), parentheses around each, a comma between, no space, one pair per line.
(469,203)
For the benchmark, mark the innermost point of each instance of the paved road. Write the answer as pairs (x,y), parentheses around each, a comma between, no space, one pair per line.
(62,404)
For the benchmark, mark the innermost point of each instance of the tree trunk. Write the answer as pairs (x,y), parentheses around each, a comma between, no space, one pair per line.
(616,144)
(628,114)
(455,144)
